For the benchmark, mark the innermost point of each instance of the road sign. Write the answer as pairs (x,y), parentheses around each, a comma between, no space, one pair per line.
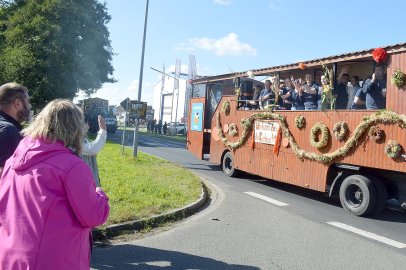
(138,109)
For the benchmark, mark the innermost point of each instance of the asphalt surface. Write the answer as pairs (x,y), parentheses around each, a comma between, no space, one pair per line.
(240,231)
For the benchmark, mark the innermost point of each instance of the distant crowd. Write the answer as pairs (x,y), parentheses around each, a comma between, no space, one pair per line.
(156,127)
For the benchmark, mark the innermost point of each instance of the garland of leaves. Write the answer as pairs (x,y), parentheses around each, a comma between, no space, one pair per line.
(300,121)
(393,149)
(376,134)
(232,129)
(225,108)
(398,78)
(340,130)
(325,134)
(384,117)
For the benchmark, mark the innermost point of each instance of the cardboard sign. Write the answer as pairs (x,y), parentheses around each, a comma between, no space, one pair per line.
(266,131)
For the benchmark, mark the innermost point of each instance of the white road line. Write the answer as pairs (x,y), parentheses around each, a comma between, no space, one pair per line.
(262,197)
(370,235)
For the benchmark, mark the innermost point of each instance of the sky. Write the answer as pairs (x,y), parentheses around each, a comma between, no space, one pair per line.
(238,35)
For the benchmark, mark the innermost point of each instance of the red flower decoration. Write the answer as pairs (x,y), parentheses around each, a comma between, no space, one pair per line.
(379,55)
(302,66)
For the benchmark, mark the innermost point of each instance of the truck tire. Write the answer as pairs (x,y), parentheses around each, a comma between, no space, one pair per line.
(358,195)
(228,165)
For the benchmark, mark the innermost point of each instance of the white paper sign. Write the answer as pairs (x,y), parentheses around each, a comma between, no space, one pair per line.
(266,131)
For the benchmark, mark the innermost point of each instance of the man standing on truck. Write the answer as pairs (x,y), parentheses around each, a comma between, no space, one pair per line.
(267,96)
(375,90)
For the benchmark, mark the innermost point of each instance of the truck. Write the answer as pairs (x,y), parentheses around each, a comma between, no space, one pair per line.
(92,107)
(356,155)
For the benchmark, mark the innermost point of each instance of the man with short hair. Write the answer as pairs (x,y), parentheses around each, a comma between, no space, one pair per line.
(14,109)
(341,92)
(375,97)
(267,96)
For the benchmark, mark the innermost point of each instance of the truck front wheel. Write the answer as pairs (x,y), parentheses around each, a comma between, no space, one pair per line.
(358,195)
(228,165)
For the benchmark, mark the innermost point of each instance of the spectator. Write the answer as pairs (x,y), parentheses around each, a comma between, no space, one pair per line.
(48,199)
(160,127)
(90,149)
(375,90)
(154,126)
(165,128)
(14,109)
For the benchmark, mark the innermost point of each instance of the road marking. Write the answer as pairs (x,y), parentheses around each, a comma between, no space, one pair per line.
(262,197)
(370,235)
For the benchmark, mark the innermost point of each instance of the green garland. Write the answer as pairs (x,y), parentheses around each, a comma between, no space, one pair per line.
(226,107)
(232,129)
(300,121)
(393,149)
(340,130)
(398,78)
(385,117)
(376,134)
(325,135)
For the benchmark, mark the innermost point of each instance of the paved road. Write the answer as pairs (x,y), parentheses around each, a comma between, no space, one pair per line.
(287,228)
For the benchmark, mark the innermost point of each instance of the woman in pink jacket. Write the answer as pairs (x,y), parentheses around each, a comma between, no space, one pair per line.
(48,199)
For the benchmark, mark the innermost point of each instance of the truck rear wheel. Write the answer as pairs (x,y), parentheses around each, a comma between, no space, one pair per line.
(228,165)
(358,195)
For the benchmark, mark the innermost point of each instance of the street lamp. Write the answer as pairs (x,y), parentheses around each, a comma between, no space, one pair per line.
(177,100)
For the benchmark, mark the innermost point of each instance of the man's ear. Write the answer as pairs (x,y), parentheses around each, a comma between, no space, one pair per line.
(17,102)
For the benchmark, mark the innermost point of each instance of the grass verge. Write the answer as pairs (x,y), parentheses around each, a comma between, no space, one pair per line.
(143,186)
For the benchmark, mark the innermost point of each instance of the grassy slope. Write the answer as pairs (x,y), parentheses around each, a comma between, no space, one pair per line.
(143,186)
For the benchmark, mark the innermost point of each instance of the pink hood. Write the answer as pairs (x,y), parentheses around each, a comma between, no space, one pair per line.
(48,204)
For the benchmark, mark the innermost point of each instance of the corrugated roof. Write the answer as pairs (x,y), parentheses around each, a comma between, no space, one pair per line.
(310,63)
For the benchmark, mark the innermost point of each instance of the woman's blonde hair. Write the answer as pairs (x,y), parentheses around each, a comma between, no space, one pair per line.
(60,120)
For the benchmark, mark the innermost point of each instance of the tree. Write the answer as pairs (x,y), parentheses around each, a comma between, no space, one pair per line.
(55,47)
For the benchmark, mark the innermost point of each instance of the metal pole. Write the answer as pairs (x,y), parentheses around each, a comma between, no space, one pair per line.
(135,143)
(125,127)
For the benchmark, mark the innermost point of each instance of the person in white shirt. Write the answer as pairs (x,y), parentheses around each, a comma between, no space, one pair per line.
(90,149)
(352,91)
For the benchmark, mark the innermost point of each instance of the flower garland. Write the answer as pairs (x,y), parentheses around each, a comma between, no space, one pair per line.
(325,134)
(398,78)
(226,107)
(385,117)
(376,134)
(379,55)
(340,130)
(232,129)
(302,66)
(300,121)
(393,149)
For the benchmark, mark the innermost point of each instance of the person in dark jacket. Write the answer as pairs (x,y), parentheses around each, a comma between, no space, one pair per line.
(375,90)
(14,109)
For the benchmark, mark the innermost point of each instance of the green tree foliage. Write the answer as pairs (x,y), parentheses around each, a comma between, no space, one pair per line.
(55,47)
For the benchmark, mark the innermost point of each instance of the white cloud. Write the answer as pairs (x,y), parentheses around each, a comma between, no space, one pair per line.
(228,45)
(274,4)
(222,2)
